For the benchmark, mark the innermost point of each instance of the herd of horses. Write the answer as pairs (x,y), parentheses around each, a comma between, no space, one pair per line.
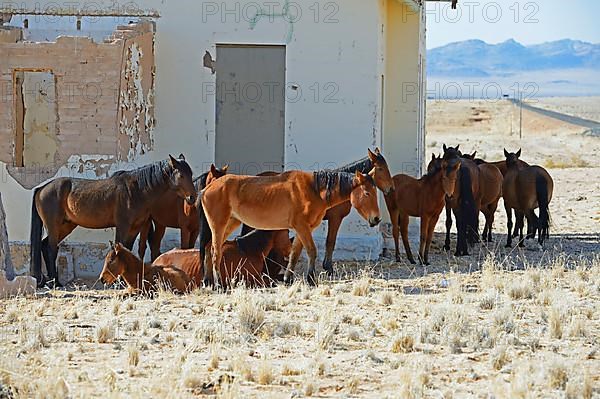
(144,201)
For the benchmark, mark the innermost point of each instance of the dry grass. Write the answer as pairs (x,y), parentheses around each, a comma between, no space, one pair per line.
(525,333)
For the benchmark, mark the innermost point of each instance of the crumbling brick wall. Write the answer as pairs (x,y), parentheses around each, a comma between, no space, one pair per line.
(104,99)
(5,259)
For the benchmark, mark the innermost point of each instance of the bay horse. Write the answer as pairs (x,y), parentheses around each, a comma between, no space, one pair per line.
(335,216)
(244,259)
(501,165)
(142,278)
(525,189)
(423,198)
(172,211)
(292,200)
(464,202)
(490,183)
(122,201)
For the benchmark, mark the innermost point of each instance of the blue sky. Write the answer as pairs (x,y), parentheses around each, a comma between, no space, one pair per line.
(528,22)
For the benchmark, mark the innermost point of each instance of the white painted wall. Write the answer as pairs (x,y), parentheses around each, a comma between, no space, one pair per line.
(344,54)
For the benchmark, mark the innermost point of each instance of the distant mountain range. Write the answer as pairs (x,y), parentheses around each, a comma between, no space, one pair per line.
(478,59)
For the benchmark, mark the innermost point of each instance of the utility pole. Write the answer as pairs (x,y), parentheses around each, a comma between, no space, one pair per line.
(521,115)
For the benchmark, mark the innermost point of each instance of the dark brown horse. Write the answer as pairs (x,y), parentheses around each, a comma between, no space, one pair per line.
(525,189)
(490,183)
(501,165)
(122,201)
(423,198)
(465,202)
(172,211)
(292,200)
(244,259)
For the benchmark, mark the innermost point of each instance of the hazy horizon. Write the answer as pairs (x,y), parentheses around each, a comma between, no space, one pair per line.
(527,22)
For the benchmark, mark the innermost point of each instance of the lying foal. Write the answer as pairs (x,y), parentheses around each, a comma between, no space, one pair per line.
(139,277)
(243,258)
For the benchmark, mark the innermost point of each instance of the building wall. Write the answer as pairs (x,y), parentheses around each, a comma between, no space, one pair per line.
(335,59)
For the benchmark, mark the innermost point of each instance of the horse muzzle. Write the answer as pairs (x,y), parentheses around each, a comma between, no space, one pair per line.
(374,221)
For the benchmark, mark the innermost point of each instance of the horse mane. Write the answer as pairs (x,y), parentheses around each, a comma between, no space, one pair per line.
(331,181)
(363,165)
(151,176)
(200,181)
(255,241)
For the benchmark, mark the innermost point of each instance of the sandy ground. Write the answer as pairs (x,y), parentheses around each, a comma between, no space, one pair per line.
(506,323)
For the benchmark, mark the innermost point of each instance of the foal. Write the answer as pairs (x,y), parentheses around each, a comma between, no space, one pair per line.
(139,277)
(424,198)
(243,258)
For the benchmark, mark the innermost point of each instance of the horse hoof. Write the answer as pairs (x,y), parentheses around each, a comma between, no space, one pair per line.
(311,280)
(412,261)
(41,281)
(288,280)
(328,266)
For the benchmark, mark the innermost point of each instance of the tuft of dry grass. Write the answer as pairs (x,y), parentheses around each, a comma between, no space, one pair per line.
(105,332)
(133,355)
(403,344)
(251,315)
(362,286)
(575,161)
(387,298)
(557,376)
(499,358)
(555,323)
(265,374)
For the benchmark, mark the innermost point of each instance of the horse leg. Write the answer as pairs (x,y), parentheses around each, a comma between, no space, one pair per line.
(423,238)
(404,219)
(333,226)
(448,226)
(184,233)
(192,238)
(157,236)
(430,230)
(297,246)
(509,225)
(144,238)
(50,249)
(395,217)
(532,223)
(304,233)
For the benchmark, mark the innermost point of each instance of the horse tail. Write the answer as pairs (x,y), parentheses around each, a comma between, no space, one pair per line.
(541,188)
(205,232)
(468,211)
(35,250)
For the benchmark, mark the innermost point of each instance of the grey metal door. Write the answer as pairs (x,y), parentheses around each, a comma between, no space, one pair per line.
(250,107)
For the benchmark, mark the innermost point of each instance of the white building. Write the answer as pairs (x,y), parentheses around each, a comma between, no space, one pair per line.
(259,85)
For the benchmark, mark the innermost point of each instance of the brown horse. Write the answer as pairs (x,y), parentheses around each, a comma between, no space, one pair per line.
(244,259)
(335,215)
(525,189)
(424,198)
(490,184)
(292,200)
(141,278)
(501,165)
(122,201)
(464,202)
(172,211)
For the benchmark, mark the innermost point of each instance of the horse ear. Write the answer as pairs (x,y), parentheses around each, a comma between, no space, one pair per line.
(474,154)
(372,173)
(213,168)
(181,157)
(506,154)
(224,168)
(377,151)
(519,153)
(445,148)
(112,245)
(432,156)
(372,156)
(172,161)
(359,176)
